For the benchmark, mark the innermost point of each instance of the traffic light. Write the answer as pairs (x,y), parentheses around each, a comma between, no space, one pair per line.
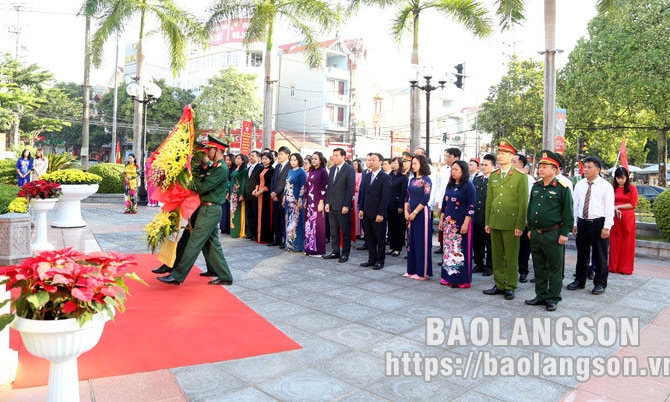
(459,76)
(581,148)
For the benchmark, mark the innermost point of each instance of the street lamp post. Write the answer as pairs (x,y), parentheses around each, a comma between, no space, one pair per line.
(145,94)
(428,88)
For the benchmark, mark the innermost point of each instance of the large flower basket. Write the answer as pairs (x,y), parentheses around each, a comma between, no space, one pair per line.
(68,212)
(42,206)
(61,342)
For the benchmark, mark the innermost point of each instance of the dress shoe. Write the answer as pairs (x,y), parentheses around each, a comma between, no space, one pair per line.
(532,280)
(343,258)
(366,264)
(575,285)
(438,251)
(274,244)
(509,295)
(591,275)
(219,281)
(331,256)
(487,272)
(169,279)
(493,291)
(283,247)
(478,268)
(363,247)
(522,278)
(598,290)
(535,302)
(378,266)
(207,273)
(163,269)
(551,306)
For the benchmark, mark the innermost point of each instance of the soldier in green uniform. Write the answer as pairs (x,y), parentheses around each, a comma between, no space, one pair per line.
(550,219)
(210,183)
(505,219)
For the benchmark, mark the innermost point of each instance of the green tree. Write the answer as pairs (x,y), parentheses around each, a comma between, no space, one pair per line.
(616,82)
(56,112)
(305,17)
(471,14)
(513,108)
(22,92)
(228,99)
(176,25)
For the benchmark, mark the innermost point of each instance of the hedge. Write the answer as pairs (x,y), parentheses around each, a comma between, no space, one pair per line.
(112,177)
(662,213)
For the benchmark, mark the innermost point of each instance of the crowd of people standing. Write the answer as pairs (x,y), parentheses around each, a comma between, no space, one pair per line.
(493,215)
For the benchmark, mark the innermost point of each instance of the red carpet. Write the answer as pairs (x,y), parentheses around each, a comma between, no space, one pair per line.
(166,326)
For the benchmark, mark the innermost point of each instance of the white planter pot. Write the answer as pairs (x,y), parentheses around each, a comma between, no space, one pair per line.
(68,213)
(42,206)
(61,342)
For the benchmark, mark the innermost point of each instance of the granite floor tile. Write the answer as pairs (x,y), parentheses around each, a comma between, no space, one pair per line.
(306,385)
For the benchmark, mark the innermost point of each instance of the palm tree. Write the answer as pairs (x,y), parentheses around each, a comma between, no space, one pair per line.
(472,14)
(301,16)
(177,26)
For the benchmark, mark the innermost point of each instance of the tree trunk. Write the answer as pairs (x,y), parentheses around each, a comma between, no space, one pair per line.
(549,74)
(14,132)
(662,141)
(138,114)
(267,94)
(414,101)
(87,96)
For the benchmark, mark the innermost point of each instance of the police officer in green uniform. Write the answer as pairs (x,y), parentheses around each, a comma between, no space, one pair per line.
(550,219)
(210,183)
(505,219)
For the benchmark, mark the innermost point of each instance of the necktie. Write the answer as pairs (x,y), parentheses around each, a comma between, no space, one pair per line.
(337,170)
(587,201)
(372,177)
(279,167)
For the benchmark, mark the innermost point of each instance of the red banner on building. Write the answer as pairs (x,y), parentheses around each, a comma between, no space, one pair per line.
(245,141)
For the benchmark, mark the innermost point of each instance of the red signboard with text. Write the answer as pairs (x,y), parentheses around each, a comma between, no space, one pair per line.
(245,141)
(231,31)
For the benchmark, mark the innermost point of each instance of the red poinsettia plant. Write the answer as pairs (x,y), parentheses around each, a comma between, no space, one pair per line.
(61,284)
(40,189)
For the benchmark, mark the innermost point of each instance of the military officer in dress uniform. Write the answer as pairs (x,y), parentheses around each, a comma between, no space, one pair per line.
(211,185)
(505,219)
(550,219)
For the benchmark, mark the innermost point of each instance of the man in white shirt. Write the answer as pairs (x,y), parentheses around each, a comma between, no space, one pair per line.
(451,155)
(594,216)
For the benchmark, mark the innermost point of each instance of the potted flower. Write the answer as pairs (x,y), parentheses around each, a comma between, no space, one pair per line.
(42,196)
(76,186)
(40,190)
(60,304)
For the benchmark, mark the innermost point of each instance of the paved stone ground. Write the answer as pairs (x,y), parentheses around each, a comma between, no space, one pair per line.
(348,319)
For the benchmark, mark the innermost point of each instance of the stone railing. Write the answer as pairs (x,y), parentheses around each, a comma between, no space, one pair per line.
(15,238)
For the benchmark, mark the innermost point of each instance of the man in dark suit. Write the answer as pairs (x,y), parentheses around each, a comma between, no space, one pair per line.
(480,239)
(254,179)
(277,185)
(341,181)
(373,199)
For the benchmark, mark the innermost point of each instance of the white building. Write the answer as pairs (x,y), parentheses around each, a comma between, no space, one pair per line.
(316,103)
(225,50)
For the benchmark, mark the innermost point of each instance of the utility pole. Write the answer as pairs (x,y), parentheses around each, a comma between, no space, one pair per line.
(17,29)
